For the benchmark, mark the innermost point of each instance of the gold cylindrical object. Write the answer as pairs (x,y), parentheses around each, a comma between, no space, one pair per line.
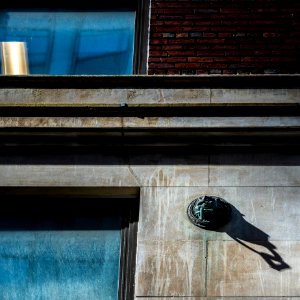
(14,58)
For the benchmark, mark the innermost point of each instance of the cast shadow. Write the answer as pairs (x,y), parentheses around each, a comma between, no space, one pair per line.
(242,231)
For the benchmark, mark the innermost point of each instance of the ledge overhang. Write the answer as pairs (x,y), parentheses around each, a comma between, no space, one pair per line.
(150,110)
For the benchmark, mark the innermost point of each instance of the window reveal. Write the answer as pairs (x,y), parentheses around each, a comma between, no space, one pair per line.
(73,42)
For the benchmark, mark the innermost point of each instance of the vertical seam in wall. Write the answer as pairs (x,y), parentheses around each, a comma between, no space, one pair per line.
(210,92)
(126,156)
(206,268)
(208,170)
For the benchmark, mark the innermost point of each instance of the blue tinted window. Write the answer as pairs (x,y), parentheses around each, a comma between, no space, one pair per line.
(59,265)
(73,43)
(61,248)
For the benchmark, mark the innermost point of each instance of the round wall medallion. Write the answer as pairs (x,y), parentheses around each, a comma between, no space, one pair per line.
(209,212)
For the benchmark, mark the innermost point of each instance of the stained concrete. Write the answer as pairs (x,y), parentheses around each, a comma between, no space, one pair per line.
(254,256)
(170,268)
(259,213)
(276,95)
(152,122)
(259,245)
(142,96)
(236,270)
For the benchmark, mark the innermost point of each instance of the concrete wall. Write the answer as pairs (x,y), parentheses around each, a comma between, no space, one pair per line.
(176,258)
(256,255)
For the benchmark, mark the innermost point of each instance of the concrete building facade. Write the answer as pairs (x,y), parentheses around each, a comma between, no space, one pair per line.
(168,138)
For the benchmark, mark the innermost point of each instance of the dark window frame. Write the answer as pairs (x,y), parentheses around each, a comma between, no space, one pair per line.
(129,226)
(128,254)
(141,7)
(140,57)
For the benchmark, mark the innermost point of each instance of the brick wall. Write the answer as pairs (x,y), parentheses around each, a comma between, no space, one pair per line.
(224,37)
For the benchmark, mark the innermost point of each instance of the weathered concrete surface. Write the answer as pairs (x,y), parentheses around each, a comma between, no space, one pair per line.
(169,169)
(235,270)
(151,122)
(167,96)
(255,95)
(103,97)
(171,251)
(211,122)
(137,97)
(174,257)
(61,122)
(66,175)
(263,213)
(29,96)
(256,169)
(97,175)
(217,298)
(104,170)
(167,268)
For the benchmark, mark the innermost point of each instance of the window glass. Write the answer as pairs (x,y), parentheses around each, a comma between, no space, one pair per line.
(73,42)
(59,265)
(60,248)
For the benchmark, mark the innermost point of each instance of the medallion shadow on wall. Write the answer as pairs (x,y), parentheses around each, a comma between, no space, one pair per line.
(216,214)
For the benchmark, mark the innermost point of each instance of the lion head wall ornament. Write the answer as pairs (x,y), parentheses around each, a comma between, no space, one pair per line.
(209,212)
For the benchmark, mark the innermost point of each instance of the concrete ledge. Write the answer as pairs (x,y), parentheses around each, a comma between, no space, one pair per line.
(135,91)
(180,123)
(145,97)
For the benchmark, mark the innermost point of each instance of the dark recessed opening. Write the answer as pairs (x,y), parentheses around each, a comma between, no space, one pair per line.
(70,247)
(40,213)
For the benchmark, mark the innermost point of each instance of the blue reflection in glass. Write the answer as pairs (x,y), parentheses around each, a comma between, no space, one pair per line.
(64,265)
(60,248)
(73,43)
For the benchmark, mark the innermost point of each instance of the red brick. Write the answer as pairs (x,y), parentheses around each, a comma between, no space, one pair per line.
(172,47)
(158,72)
(182,35)
(283,59)
(201,71)
(154,59)
(157,23)
(224,46)
(227,58)
(173,59)
(155,47)
(211,53)
(181,53)
(161,65)
(200,59)
(188,65)
(254,59)
(180,11)
(174,72)
(159,53)
(205,22)
(210,41)
(209,34)
(174,29)
(181,41)
(178,23)
(156,35)
(271,34)
(158,41)
(224,37)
